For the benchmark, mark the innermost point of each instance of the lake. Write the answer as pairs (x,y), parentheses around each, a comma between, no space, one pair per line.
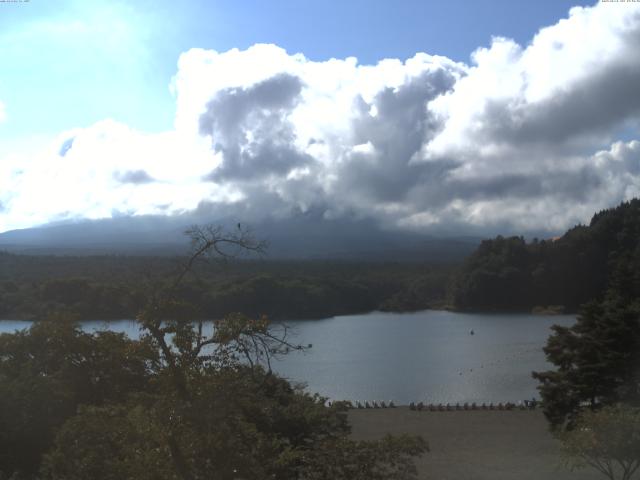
(427,356)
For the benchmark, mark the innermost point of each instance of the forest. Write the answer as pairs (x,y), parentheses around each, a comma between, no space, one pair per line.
(114,287)
(557,275)
(502,274)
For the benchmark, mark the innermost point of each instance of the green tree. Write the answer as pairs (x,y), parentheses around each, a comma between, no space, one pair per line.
(607,440)
(51,369)
(597,361)
(190,400)
(580,266)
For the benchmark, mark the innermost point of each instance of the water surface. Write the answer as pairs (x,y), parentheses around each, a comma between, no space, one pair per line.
(425,356)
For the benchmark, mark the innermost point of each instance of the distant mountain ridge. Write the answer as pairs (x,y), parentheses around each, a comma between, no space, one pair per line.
(299,237)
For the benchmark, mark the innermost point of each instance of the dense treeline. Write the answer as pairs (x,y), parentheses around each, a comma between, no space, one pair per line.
(502,274)
(113,287)
(592,395)
(511,274)
(177,404)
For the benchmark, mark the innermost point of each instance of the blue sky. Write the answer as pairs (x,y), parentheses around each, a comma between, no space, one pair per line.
(489,116)
(69,63)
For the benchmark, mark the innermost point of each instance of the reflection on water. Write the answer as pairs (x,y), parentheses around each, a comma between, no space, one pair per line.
(425,356)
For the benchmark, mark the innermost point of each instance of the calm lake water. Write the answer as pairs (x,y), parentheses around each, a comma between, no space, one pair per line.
(426,356)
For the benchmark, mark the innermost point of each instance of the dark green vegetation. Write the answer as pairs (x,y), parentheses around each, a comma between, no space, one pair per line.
(503,274)
(607,440)
(114,287)
(511,274)
(597,361)
(592,398)
(178,404)
(100,406)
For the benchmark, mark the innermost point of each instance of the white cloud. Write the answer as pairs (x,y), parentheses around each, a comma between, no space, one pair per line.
(522,139)
(578,77)
(85,179)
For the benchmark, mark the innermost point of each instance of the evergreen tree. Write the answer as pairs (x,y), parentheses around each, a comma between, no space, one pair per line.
(511,274)
(597,361)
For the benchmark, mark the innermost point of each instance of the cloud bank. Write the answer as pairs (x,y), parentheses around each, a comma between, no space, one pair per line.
(523,138)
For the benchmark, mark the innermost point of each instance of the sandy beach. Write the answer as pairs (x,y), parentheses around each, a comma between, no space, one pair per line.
(474,445)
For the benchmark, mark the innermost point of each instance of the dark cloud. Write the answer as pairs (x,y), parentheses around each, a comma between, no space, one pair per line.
(380,172)
(595,105)
(136,177)
(519,153)
(568,184)
(249,126)
(396,133)
(227,112)
(444,148)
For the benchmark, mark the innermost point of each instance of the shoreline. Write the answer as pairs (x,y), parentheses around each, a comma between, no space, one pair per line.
(446,308)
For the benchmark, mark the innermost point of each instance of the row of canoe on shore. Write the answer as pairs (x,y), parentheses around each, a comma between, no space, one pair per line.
(526,405)
(373,404)
(448,407)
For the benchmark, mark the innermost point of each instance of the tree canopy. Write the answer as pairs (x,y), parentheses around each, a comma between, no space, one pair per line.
(597,361)
(607,440)
(578,267)
(115,287)
(189,400)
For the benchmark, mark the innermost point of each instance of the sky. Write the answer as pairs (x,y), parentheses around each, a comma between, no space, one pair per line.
(488,116)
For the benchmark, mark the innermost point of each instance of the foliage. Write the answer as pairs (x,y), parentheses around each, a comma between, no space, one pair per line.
(115,287)
(190,400)
(597,361)
(511,274)
(48,371)
(607,440)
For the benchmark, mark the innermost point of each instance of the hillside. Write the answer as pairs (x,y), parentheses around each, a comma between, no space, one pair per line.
(512,274)
(300,237)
